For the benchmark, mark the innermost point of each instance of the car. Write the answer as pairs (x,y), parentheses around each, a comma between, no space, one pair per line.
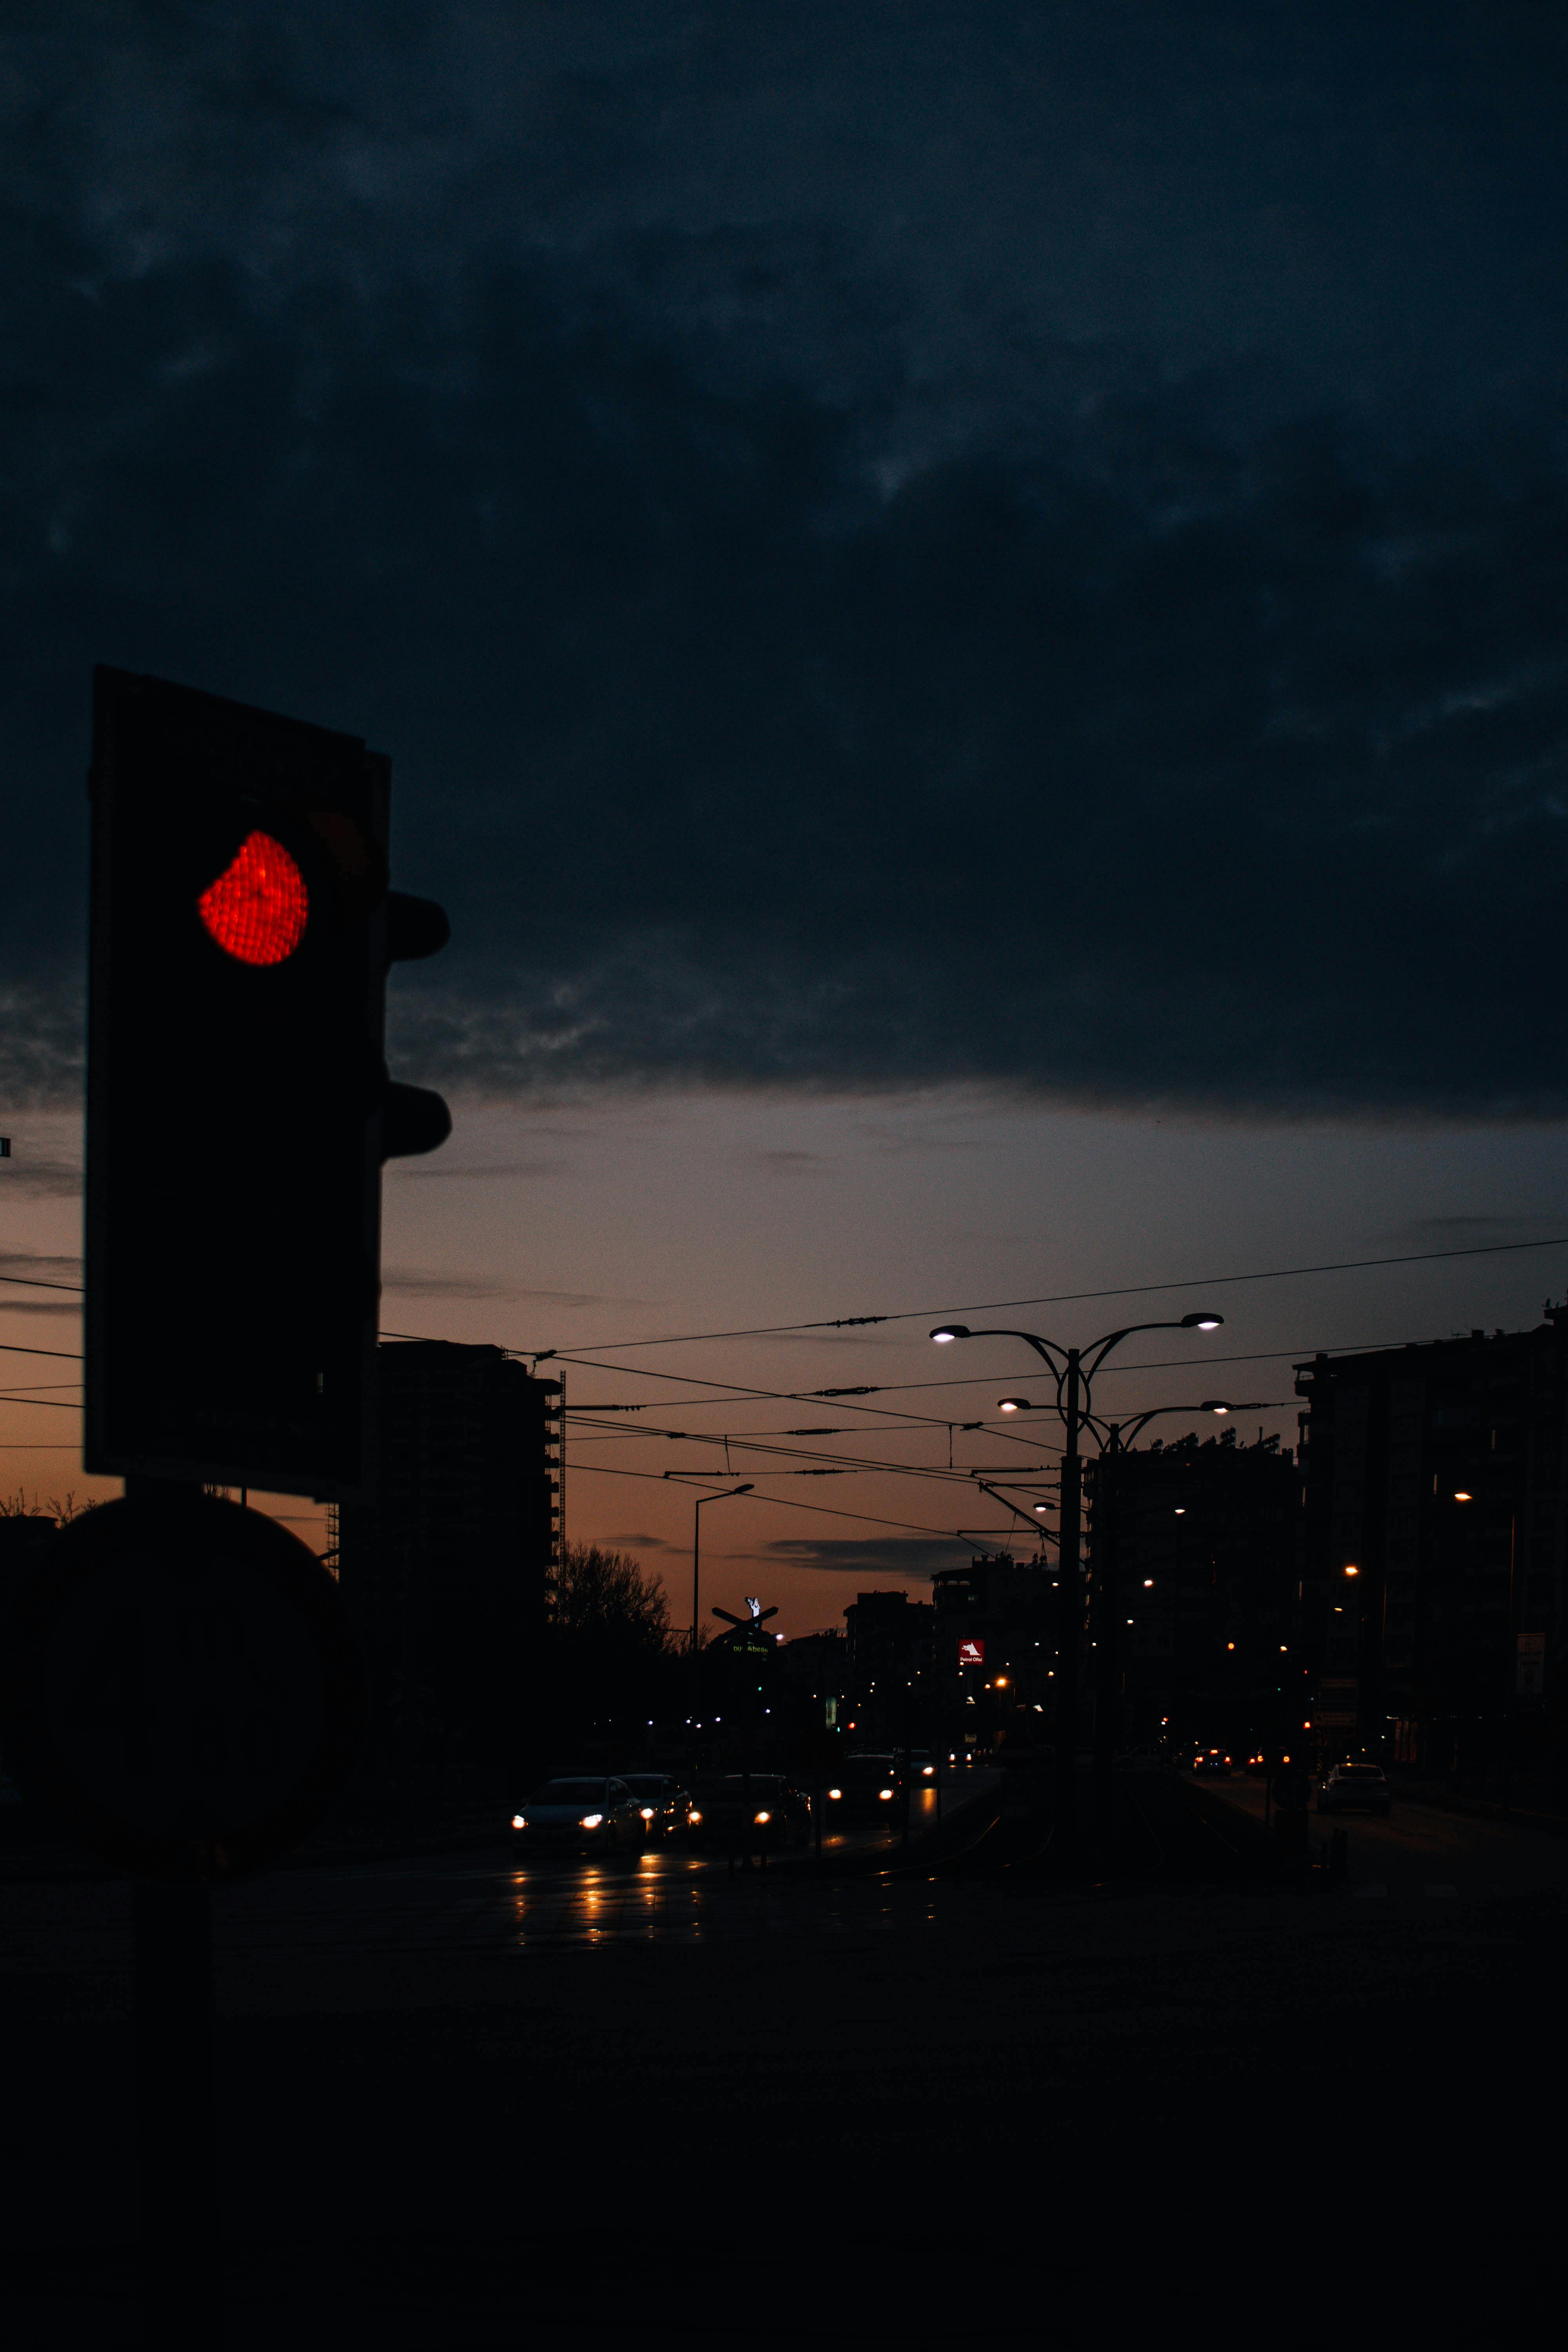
(1354,1788)
(920,1766)
(662,1802)
(580,1814)
(747,1811)
(865,1785)
(1212,1759)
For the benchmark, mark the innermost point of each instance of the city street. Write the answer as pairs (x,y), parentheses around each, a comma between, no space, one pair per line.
(447,2084)
(332,1922)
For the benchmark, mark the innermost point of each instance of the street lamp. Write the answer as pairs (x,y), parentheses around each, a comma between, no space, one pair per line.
(1117,1439)
(722,1495)
(725,1495)
(1073,1370)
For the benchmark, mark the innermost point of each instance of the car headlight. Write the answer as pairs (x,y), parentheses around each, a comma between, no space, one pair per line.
(836,1793)
(520,1821)
(590,1820)
(763,1817)
(647,1812)
(694,1819)
(884,1793)
(928,1773)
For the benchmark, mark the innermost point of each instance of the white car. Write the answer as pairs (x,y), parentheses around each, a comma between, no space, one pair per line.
(1354,1788)
(583,1815)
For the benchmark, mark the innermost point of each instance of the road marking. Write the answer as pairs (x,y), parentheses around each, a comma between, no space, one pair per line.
(1450,1891)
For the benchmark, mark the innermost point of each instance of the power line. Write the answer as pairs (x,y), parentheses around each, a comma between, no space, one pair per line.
(1170,1364)
(869,1464)
(780,1502)
(778,1396)
(1066,1298)
(980,1307)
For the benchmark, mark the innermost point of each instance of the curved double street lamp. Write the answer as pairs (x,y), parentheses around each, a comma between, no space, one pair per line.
(1073,1370)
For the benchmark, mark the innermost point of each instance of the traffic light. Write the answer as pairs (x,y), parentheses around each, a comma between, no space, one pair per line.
(239,1104)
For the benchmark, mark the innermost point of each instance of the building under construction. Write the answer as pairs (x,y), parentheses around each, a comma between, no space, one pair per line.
(447,1575)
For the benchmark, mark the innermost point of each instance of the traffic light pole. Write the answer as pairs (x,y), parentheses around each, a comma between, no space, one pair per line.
(175,2085)
(181,2226)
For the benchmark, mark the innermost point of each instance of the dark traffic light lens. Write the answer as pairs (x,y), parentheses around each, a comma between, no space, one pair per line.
(257,909)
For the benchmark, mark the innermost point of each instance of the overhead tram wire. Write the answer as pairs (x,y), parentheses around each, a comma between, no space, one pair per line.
(1059,1298)
(782,1502)
(869,1466)
(1173,1364)
(736,1388)
(980,1306)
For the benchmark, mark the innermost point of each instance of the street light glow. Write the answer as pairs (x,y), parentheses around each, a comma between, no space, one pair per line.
(946,1331)
(1201,1322)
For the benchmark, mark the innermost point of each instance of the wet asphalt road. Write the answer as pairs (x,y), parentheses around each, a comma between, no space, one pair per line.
(1421,1854)
(464,2102)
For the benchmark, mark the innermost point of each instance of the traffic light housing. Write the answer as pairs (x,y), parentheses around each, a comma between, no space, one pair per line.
(238,1103)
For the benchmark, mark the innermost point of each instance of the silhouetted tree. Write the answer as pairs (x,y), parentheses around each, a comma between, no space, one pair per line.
(603,1598)
(609,1652)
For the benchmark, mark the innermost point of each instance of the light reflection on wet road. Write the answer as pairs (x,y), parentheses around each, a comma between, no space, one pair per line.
(488,1903)
(479,1903)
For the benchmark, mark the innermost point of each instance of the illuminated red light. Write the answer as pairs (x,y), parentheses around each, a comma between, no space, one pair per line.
(257,908)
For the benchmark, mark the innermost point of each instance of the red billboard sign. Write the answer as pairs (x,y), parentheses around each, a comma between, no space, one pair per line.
(972,1654)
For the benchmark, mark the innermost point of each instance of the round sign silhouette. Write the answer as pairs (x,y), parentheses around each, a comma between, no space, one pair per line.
(180,1687)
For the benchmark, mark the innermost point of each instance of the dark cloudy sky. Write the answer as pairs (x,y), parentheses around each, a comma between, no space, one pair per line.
(961,554)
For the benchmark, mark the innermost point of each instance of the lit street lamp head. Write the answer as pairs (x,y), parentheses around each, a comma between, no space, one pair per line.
(946,1331)
(1204,1322)
(1214,1404)
(1014,1404)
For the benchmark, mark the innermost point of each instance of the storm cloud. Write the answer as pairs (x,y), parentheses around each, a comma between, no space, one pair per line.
(807,660)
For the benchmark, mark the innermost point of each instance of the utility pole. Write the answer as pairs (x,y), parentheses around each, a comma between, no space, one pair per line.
(1073,1379)
(1071,1613)
(722,1495)
(1107,1623)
